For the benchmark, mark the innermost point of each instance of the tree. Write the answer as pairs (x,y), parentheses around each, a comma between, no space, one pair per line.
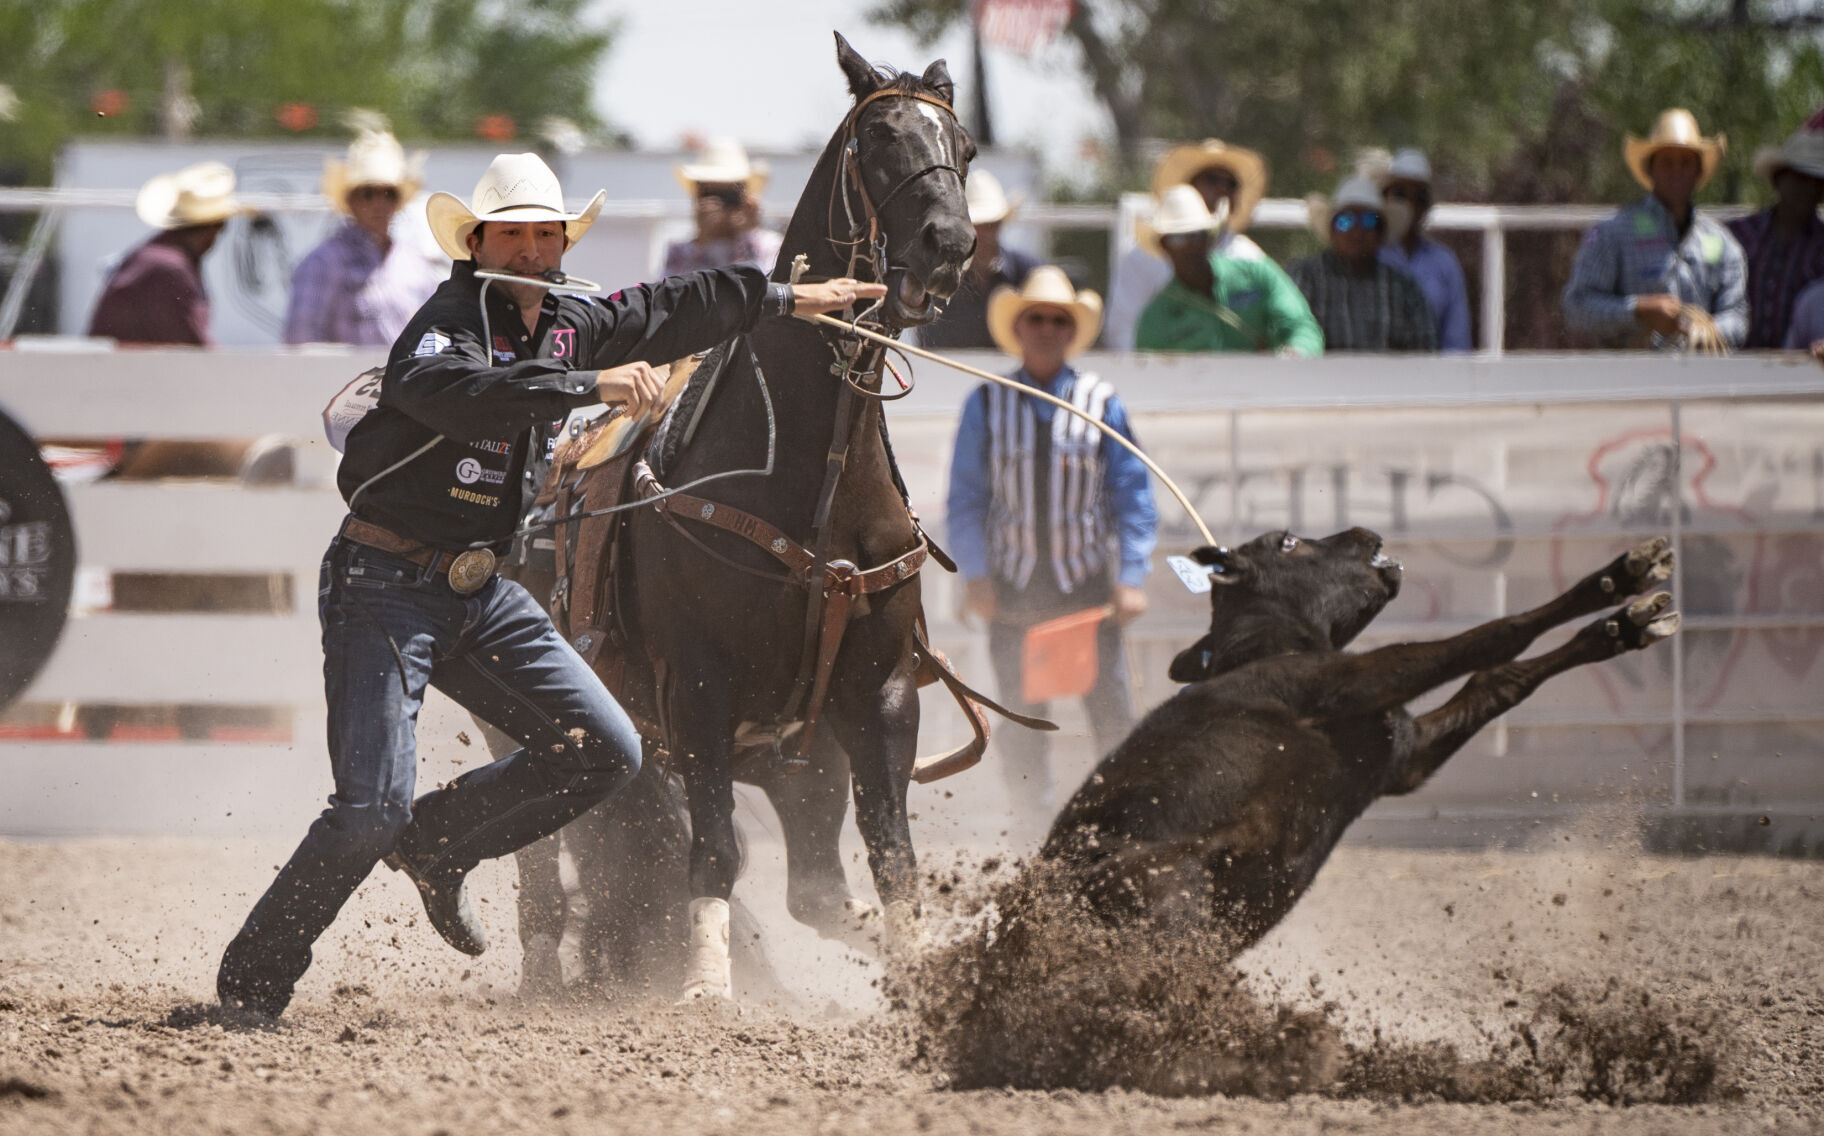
(1480,84)
(224,67)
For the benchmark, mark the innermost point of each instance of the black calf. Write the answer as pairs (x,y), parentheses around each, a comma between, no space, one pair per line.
(1224,802)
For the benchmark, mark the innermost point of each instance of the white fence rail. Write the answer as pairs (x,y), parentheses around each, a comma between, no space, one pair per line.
(1496,481)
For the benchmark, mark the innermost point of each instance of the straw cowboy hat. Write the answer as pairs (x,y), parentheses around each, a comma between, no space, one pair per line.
(1180,209)
(516,187)
(1358,191)
(1802,152)
(1047,286)
(1182,163)
(374,158)
(722,161)
(987,201)
(1674,129)
(202,194)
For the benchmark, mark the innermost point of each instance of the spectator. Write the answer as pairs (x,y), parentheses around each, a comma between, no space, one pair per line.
(1637,270)
(1220,173)
(1215,302)
(1047,516)
(726,188)
(1784,245)
(1361,302)
(965,319)
(1805,332)
(361,286)
(156,294)
(1407,193)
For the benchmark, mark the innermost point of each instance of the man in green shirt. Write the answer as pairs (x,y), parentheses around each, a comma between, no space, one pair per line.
(1219,303)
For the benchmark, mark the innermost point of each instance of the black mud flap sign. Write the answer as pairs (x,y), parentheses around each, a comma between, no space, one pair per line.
(37,560)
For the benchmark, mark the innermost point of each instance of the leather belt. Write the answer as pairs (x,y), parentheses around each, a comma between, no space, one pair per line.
(466,570)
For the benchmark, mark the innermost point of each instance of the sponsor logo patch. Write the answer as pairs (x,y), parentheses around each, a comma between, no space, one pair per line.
(469,471)
(473,498)
(503,350)
(431,343)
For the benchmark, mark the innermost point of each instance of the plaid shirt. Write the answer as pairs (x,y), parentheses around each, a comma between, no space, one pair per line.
(1779,268)
(1383,311)
(347,291)
(758,247)
(1638,252)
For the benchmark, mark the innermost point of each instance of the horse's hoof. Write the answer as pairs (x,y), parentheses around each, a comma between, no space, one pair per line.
(906,930)
(541,972)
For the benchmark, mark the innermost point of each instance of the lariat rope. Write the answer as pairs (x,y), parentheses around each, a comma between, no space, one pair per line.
(854,329)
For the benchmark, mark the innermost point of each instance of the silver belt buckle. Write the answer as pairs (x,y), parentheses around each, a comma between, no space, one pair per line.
(470,570)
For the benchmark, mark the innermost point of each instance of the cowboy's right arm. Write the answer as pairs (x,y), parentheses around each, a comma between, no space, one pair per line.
(1593,299)
(1293,328)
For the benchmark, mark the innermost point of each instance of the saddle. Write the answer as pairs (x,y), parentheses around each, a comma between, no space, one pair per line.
(604,467)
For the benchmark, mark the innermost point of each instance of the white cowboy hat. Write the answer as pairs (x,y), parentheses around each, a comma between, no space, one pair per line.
(1358,191)
(202,194)
(516,187)
(1182,163)
(1180,209)
(1046,286)
(1802,152)
(987,201)
(374,158)
(1674,129)
(722,161)
(1409,164)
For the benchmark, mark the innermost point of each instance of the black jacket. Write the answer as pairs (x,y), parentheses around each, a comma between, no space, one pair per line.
(464,491)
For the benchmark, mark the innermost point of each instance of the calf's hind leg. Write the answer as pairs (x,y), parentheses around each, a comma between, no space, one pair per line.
(1490,693)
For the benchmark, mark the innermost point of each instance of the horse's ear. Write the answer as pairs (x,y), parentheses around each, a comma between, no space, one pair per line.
(864,80)
(937,79)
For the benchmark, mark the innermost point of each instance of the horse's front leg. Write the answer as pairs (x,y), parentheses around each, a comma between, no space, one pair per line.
(702,728)
(812,804)
(879,730)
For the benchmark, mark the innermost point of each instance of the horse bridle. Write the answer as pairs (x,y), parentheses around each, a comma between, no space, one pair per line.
(865,232)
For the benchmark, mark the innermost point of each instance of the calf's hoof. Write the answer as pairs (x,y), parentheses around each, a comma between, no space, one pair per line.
(1634,571)
(1642,623)
(709,972)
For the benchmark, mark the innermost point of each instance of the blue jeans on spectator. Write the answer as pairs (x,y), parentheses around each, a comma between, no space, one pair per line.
(390,628)
(1108,703)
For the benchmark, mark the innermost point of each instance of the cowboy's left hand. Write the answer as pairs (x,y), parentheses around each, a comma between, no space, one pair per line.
(832,295)
(1129,603)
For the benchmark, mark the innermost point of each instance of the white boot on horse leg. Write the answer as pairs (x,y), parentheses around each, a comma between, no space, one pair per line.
(709,971)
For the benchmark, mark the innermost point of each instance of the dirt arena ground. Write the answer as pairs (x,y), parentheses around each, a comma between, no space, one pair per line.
(106,946)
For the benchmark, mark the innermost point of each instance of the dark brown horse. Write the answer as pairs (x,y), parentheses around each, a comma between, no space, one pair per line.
(770,621)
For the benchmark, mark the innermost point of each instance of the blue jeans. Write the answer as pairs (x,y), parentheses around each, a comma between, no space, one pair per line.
(390,628)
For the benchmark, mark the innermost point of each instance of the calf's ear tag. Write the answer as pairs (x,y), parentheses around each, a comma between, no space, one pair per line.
(1193,575)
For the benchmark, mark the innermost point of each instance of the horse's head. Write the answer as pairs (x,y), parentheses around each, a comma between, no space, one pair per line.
(909,155)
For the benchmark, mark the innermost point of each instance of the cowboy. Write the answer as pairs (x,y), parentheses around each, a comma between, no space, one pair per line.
(1046,515)
(1220,173)
(408,596)
(964,322)
(361,285)
(156,294)
(1406,191)
(1361,302)
(1643,266)
(1215,302)
(1784,245)
(725,187)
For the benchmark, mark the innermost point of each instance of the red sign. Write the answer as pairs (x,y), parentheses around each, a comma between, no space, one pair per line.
(1022,26)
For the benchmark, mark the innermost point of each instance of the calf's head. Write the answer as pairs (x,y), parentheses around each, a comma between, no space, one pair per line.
(1281,593)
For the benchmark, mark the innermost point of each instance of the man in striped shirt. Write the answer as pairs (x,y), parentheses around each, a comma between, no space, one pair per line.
(1362,302)
(1047,516)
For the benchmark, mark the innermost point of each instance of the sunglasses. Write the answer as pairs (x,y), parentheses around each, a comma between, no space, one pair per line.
(1343,222)
(729,195)
(1049,319)
(1184,240)
(366,192)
